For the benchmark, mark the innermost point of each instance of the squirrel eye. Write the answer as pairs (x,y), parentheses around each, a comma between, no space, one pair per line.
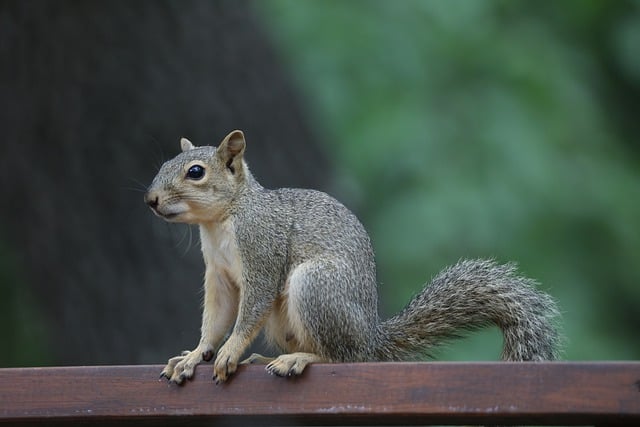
(195,172)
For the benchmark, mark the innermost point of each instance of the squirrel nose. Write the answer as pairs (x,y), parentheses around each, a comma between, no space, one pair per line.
(151,199)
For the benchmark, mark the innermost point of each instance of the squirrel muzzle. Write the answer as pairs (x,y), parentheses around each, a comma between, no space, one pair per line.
(151,199)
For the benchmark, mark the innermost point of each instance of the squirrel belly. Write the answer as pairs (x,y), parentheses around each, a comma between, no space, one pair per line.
(300,266)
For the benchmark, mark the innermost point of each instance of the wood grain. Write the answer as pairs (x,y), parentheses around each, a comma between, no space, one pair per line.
(558,393)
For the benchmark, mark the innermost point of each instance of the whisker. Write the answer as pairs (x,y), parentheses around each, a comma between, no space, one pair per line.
(159,152)
(187,237)
(190,236)
(139,186)
(135,189)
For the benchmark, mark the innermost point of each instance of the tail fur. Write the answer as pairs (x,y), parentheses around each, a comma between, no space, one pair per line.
(467,296)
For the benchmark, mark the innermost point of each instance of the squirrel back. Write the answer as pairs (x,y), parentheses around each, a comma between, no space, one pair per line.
(298,264)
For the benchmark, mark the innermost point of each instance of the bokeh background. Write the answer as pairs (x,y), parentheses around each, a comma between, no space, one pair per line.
(453,128)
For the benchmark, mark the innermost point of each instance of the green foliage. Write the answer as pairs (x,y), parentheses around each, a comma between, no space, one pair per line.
(502,129)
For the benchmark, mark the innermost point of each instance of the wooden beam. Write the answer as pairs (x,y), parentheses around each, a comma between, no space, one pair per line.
(330,394)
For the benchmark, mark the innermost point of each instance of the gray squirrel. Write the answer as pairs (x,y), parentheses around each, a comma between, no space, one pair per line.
(298,264)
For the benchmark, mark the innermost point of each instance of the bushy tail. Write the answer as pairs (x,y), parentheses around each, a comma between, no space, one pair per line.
(469,295)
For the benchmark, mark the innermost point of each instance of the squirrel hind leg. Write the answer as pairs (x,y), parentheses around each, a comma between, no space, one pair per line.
(287,365)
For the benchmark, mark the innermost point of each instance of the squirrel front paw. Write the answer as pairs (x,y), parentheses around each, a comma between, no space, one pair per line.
(181,367)
(226,362)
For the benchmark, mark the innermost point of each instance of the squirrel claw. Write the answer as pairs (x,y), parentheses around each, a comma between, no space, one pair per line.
(272,370)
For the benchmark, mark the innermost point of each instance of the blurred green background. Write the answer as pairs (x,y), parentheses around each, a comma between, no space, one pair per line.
(506,129)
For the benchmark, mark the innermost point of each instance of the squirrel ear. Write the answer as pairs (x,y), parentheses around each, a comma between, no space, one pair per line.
(231,149)
(186,145)
(232,146)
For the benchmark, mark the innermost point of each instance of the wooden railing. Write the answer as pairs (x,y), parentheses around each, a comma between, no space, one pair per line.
(558,393)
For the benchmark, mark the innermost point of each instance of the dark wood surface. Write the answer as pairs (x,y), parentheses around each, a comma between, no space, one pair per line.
(559,393)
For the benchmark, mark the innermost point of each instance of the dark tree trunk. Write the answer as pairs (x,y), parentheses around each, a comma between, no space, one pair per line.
(93,97)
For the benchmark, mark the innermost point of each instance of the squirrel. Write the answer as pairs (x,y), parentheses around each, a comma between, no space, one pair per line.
(299,265)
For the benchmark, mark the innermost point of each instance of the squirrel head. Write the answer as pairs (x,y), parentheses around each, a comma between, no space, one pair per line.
(200,184)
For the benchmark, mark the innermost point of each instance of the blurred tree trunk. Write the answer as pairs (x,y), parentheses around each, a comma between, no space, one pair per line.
(93,97)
